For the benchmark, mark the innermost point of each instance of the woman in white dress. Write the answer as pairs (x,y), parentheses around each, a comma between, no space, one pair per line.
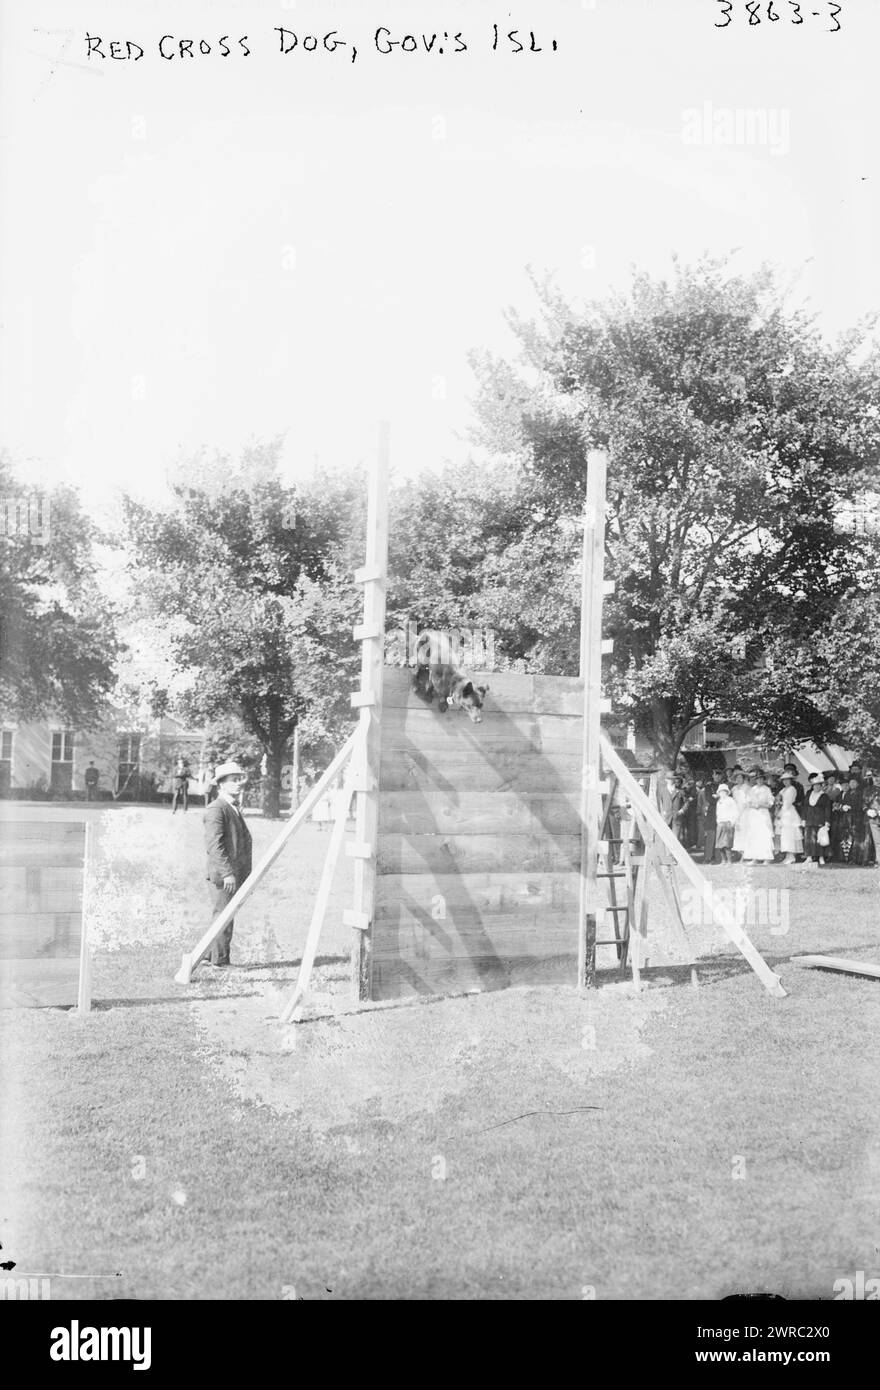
(789,823)
(758,836)
(740,792)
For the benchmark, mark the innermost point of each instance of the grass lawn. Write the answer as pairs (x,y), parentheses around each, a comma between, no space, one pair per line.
(683,1143)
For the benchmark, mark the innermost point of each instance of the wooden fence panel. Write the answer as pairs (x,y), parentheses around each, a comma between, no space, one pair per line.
(41,885)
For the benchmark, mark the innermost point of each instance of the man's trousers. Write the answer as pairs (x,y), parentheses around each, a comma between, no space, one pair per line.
(220,948)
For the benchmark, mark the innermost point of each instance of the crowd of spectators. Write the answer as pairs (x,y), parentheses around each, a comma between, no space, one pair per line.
(753,816)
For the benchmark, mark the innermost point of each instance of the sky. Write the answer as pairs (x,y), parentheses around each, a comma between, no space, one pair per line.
(199,252)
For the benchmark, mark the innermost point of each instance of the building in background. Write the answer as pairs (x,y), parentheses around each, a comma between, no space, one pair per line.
(135,758)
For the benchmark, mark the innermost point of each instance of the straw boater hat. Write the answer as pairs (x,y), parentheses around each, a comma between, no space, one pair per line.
(789,775)
(817,776)
(228,770)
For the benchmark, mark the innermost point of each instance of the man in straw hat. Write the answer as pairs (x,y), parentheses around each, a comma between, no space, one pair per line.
(228,845)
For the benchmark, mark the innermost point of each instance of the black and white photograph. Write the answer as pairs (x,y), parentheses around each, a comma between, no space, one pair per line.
(440,666)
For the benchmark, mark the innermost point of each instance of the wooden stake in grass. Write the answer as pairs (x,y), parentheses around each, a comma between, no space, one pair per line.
(319,912)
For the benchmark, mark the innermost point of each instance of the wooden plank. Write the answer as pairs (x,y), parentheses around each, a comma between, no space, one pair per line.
(421,717)
(477,895)
(26,855)
(372,679)
(319,910)
(47,845)
(38,983)
(510,692)
(452,945)
(458,936)
(496,770)
(847,967)
(639,919)
(407,854)
(54,878)
(38,935)
(68,834)
(430,730)
(365,630)
(472,813)
(359,920)
(23,904)
(367,574)
(591,670)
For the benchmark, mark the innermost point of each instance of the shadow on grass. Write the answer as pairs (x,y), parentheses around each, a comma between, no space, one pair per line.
(290,964)
(101,1005)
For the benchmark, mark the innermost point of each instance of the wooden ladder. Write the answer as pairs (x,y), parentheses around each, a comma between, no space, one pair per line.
(629,915)
(612,870)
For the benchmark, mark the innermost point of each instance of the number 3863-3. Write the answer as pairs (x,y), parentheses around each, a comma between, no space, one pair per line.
(772,11)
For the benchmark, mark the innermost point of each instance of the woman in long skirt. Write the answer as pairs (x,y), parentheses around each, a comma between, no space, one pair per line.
(758,837)
(740,792)
(791,840)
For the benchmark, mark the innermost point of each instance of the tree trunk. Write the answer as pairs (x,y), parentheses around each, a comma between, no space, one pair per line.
(682,732)
(663,734)
(272,784)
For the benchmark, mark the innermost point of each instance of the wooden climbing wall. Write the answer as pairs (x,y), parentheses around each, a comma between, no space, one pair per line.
(479,845)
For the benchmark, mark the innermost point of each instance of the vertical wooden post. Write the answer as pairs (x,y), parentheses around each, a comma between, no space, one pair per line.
(591,674)
(294,771)
(84,992)
(369,700)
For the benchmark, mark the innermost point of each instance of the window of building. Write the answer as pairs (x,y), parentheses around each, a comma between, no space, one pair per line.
(5,759)
(61,775)
(128,758)
(62,746)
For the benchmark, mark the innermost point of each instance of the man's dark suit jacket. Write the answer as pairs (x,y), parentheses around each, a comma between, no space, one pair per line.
(228,843)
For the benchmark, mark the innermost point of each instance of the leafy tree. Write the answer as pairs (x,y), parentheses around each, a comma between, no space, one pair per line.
(253,581)
(845,662)
(734,434)
(58,641)
(461,553)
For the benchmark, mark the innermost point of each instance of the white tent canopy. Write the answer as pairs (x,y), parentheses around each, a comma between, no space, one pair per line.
(830,758)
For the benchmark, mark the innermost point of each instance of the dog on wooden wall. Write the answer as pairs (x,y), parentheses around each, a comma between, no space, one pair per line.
(437,673)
